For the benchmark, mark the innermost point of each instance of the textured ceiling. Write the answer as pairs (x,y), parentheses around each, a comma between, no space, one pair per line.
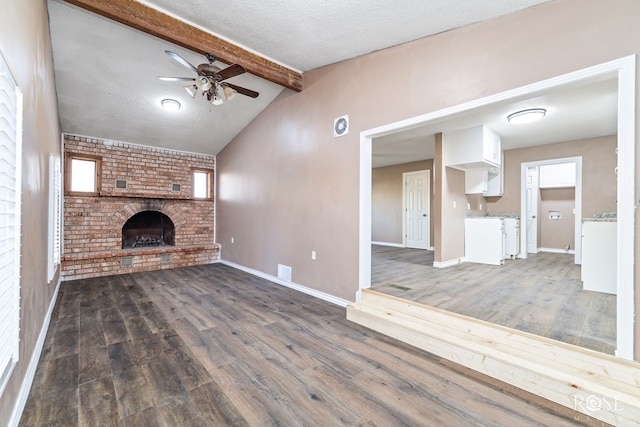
(106,72)
(313,33)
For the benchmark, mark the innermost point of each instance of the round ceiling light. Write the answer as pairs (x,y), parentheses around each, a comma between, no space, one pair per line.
(526,116)
(170,104)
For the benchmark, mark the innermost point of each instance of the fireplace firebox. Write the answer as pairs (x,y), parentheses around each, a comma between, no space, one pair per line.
(148,229)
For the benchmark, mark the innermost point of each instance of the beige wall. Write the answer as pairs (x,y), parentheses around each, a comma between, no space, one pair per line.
(386,201)
(598,173)
(287,187)
(557,233)
(25,44)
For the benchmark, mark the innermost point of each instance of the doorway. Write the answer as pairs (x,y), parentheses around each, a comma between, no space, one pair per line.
(624,71)
(529,203)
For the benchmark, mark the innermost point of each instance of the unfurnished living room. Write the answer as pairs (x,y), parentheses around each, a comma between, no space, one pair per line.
(332,213)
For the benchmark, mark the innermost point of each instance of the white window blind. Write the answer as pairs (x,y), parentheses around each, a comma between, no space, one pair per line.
(55,190)
(10,172)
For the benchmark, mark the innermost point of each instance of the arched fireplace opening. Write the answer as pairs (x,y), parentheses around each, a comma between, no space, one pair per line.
(148,228)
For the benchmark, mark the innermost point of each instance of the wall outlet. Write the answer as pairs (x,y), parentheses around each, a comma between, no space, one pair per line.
(233,240)
(454,204)
(313,254)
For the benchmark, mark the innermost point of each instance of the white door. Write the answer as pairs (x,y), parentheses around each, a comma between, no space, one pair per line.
(532,209)
(416,209)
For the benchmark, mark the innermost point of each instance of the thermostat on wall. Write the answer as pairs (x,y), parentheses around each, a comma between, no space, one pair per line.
(341,126)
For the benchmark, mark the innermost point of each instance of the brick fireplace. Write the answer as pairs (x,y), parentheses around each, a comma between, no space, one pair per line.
(143,216)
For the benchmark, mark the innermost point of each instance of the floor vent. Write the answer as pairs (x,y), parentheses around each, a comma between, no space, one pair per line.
(126,262)
(165,258)
(284,272)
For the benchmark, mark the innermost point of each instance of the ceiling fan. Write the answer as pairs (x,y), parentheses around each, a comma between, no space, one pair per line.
(210,80)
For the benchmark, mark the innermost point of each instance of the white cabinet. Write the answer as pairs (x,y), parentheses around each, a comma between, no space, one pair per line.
(599,256)
(484,240)
(476,181)
(474,147)
(558,175)
(485,181)
(512,237)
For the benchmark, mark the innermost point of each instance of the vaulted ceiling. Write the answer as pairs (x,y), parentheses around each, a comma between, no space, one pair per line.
(109,53)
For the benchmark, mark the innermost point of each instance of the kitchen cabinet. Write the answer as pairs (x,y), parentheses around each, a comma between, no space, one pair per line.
(599,256)
(512,237)
(485,181)
(476,181)
(558,175)
(484,240)
(472,148)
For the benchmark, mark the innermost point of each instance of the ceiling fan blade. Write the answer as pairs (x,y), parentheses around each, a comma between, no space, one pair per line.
(231,71)
(177,79)
(246,92)
(181,60)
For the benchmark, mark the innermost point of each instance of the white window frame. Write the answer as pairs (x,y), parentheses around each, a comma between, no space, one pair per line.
(11,110)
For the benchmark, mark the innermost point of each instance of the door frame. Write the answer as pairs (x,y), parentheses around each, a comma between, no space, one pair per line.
(426,172)
(625,70)
(577,235)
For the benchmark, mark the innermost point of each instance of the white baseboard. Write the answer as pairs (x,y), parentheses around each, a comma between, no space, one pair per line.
(33,363)
(557,251)
(318,294)
(395,245)
(451,262)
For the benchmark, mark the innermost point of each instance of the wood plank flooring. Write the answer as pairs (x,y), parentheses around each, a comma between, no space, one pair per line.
(213,346)
(541,294)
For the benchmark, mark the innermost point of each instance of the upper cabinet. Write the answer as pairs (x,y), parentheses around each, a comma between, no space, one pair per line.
(558,175)
(474,147)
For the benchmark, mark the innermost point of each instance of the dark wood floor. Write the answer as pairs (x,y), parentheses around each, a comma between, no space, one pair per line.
(541,294)
(213,346)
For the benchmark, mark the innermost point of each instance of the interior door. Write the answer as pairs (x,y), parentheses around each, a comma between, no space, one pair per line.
(532,188)
(416,209)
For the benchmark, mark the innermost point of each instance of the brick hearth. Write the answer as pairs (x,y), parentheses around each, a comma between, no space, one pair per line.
(93,224)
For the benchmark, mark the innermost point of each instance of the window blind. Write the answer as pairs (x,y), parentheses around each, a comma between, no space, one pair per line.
(55,190)
(10,170)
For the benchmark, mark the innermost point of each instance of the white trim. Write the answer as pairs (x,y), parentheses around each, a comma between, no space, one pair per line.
(300,288)
(450,263)
(577,236)
(626,206)
(625,69)
(18,408)
(557,251)
(395,245)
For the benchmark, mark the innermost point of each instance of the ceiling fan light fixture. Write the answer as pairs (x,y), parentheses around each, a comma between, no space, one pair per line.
(527,116)
(229,93)
(191,90)
(203,83)
(170,104)
(217,100)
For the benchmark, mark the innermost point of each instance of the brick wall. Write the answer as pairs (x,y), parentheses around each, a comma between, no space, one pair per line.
(93,224)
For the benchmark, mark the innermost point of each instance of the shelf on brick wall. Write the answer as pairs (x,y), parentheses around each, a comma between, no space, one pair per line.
(140,251)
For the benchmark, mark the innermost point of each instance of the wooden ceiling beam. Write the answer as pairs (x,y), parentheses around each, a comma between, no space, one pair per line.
(155,23)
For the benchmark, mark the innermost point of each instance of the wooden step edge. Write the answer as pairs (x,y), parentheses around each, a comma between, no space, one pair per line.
(512,371)
(596,363)
(518,355)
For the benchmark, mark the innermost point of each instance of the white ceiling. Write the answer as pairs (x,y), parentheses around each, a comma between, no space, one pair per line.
(577,111)
(106,72)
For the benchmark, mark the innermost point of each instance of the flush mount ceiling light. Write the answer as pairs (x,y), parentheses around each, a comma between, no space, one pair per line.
(526,116)
(170,104)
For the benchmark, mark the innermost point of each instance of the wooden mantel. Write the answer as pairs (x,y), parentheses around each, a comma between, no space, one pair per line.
(157,24)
